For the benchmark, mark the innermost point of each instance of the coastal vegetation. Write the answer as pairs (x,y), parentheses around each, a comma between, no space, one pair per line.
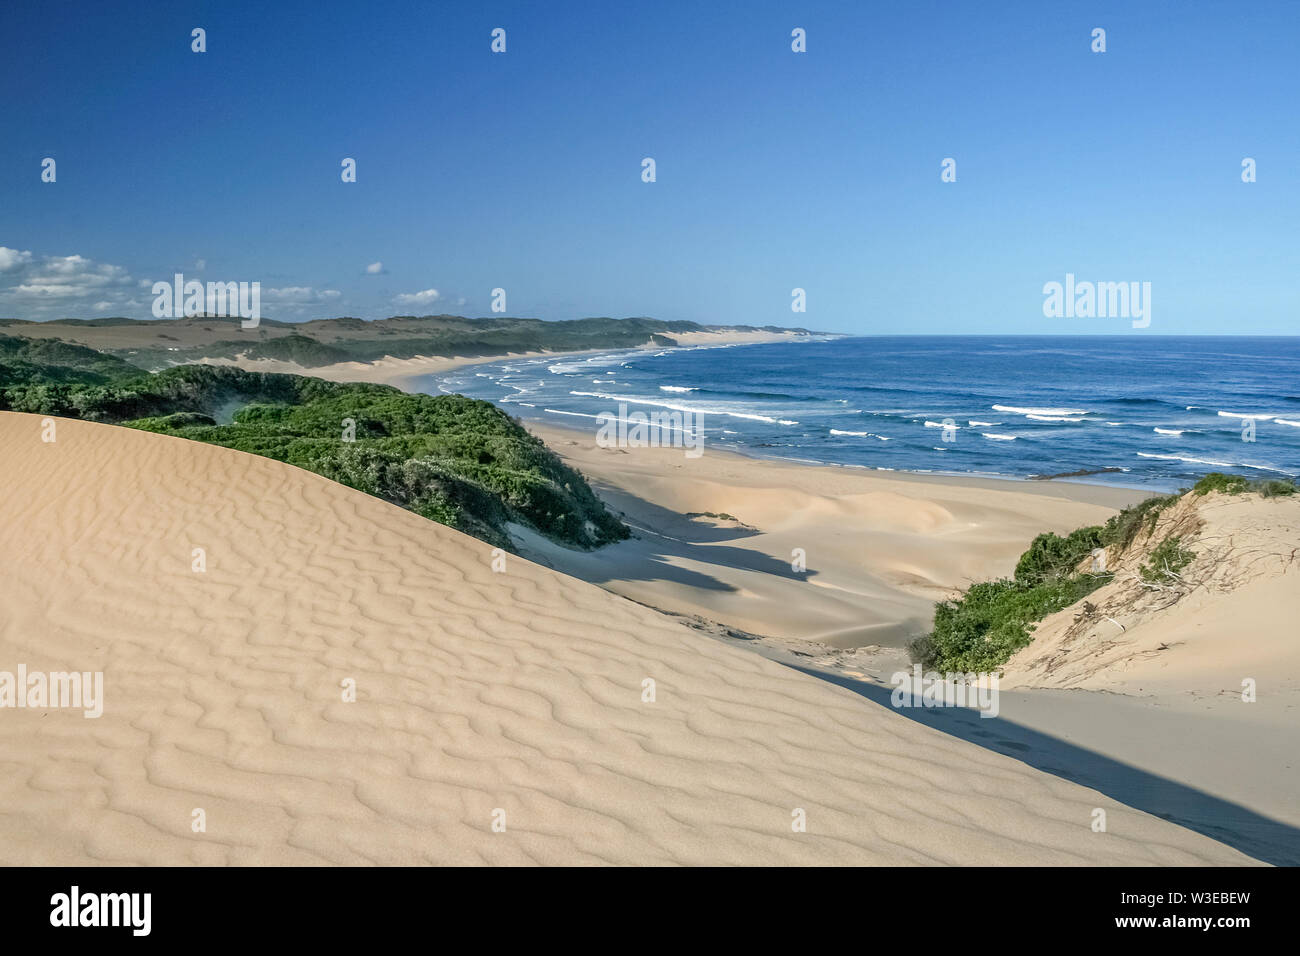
(980,630)
(455,460)
(48,361)
(158,344)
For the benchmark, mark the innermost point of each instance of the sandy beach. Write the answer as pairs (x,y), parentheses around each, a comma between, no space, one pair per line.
(521,692)
(406,373)
(516,698)
(881,548)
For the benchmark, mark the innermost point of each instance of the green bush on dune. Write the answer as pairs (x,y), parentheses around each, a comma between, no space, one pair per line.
(455,460)
(1238,484)
(980,630)
(1122,529)
(1165,561)
(1052,557)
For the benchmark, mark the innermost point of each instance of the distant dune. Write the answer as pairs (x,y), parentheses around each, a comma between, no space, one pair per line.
(477,692)
(352,349)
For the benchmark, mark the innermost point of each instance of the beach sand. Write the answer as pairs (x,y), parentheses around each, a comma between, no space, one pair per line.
(879,547)
(476,692)
(1156,719)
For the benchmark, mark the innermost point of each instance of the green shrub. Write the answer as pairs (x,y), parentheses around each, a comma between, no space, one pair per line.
(1217,481)
(1276,488)
(1122,529)
(166,423)
(456,460)
(1166,560)
(981,630)
(1239,484)
(1051,556)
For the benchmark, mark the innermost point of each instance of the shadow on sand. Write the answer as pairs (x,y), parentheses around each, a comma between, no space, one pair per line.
(1229,823)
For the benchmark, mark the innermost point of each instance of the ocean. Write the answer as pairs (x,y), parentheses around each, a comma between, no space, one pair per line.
(1140,411)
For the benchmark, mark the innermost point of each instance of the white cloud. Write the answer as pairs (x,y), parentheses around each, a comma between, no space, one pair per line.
(11,260)
(426,297)
(376,269)
(102,306)
(300,295)
(59,281)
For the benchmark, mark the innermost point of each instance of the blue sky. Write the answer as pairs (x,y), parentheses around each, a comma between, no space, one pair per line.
(775,170)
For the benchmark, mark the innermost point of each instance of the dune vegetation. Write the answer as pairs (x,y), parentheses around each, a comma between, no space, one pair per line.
(986,625)
(163,343)
(455,460)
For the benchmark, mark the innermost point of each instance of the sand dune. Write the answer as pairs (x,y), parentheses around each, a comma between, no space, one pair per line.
(1179,742)
(475,691)
(880,548)
(398,372)
(1233,617)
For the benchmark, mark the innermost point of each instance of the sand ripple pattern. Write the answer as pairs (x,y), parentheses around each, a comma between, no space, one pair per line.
(476,691)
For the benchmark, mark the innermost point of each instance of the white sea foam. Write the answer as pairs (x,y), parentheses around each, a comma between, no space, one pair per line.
(1265,415)
(1168,431)
(930,424)
(1039,411)
(1287,421)
(556,411)
(994,436)
(676,388)
(1053,418)
(1205,461)
(975,424)
(836,431)
(693,409)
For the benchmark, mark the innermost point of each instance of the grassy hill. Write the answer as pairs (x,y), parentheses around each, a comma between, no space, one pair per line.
(44,361)
(158,344)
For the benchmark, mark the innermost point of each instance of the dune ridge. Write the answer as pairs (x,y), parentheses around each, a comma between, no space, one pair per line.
(476,691)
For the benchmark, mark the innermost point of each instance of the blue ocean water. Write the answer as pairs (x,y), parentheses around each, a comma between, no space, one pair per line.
(1162,410)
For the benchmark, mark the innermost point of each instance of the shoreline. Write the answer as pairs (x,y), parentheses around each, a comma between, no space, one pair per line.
(401,372)
(882,549)
(1145,490)
(712,548)
(715,537)
(712,551)
(958,477)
